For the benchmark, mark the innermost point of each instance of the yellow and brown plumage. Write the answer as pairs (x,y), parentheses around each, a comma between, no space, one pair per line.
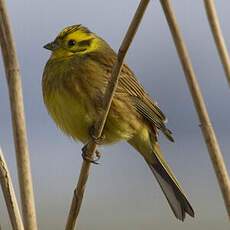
(74,82)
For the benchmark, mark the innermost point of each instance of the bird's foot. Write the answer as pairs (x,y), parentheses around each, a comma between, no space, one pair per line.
(88,158)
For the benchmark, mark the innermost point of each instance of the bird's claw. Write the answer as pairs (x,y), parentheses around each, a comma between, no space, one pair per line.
(90,159)
(98,155)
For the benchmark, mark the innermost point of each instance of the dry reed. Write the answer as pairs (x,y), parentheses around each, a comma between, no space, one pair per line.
(206,125)
(9,195)
(91,147)
(18,119)
(218,37)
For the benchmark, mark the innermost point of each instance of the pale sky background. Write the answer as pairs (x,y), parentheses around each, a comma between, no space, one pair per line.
(121,191)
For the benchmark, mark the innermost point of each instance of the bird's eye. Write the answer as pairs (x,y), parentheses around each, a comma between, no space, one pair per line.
(71,42)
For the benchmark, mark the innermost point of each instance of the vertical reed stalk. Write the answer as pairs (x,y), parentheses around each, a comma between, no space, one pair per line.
(218,37)
(206,125)
(18,119)
(91,147)
(9,195)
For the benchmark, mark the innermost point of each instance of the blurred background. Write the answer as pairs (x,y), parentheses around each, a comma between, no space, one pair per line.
(121,191)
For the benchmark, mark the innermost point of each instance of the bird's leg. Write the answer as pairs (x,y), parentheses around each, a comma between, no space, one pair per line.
(97,140)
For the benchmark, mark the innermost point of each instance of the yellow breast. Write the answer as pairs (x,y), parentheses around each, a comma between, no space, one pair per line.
(75,109)
(70,114)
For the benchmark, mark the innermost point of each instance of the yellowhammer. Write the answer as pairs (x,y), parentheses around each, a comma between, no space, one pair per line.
(74,82)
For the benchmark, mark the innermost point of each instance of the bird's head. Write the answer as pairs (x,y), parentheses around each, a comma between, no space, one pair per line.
(73,40)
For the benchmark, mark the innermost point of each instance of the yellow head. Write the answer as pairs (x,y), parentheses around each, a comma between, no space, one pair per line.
(73,40)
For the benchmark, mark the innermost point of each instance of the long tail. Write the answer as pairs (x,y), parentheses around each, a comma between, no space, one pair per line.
(164,175)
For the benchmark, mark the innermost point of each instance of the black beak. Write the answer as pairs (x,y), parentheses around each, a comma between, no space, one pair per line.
(50,46)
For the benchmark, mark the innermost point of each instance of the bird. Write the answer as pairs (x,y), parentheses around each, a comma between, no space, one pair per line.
(74,82)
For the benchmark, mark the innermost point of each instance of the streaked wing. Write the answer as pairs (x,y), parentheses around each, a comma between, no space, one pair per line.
(134,88)
(143,103)
(128,82)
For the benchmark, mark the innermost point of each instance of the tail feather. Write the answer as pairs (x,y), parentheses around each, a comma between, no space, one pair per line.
(151,152)
(172,191)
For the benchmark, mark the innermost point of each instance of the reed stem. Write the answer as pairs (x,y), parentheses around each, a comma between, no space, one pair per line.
(206,125)
(111,88)
(18,119)
(9,195)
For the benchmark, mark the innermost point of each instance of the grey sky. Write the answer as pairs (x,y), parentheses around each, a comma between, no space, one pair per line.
(122,192)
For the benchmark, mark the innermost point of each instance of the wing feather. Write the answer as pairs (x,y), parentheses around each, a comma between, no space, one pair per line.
(142,102)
